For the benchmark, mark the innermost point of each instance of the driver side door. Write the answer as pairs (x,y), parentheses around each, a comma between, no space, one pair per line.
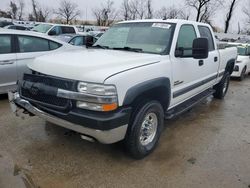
(186,71)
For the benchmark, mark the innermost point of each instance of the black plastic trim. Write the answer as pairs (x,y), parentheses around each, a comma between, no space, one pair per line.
(194,86)
(141,88)
(103,121)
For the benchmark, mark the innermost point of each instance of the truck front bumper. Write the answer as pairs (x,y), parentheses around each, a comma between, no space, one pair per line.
(115,134)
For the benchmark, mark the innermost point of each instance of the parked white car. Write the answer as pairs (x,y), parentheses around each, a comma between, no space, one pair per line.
(18,48)
(242,66)
(135,75)
(55,29)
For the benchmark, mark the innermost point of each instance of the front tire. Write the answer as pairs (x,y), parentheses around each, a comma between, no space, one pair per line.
(222,87)
(145,130)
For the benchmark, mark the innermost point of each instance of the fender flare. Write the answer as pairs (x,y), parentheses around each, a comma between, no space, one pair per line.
(230,66)
(149,85)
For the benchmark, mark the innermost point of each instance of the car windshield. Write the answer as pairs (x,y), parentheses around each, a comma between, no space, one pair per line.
(242,50)
(42,28)
(139,37)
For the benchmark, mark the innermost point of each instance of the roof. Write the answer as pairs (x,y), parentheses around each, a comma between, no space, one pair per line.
(181,21)
(29,33)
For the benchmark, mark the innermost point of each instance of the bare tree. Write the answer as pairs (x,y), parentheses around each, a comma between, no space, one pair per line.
(230,14)
(21,9)
(247,12)
(149,9)
(39,14)
(13,10)
(205,8)
(172,13)
(68,10)
(125,9)
(106,14)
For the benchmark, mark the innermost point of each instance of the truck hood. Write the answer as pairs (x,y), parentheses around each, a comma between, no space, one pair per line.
(91,65)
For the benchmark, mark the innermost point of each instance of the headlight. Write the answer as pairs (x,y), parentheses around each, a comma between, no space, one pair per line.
(96,89)
(98,97)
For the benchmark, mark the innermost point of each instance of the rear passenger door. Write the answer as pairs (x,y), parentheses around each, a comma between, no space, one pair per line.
(31,47)
(8,71)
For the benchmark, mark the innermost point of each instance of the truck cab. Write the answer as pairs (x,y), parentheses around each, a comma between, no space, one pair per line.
(135,76)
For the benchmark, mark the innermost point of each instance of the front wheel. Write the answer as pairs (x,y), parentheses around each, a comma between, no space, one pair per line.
(222,87)
(145,130)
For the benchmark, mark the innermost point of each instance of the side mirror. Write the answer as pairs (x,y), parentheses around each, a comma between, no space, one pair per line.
(52,33)
(200,48)
(89,41)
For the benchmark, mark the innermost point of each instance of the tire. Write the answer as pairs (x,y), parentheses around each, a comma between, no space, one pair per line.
(222,87)
(243,74)
(142,137)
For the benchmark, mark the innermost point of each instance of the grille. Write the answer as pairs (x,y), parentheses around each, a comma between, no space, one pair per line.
(43,99)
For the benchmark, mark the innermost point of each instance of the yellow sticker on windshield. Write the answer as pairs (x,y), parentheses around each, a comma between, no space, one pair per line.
(162,25)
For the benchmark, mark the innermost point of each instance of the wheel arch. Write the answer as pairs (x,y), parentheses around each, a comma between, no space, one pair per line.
(155,89)
(230,66)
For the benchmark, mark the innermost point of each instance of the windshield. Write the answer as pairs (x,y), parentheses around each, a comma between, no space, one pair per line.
(42,28)
(144,37)
(242,50)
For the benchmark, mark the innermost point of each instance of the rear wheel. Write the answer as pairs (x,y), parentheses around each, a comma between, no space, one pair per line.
(222,87)
(243,74)
(145,130)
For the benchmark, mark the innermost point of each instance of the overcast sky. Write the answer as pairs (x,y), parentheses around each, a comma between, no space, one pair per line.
(86,7)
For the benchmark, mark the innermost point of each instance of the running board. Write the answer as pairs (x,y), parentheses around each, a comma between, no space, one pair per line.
(187,105)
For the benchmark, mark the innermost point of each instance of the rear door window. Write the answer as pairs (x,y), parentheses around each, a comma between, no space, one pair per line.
(66,30)
(5,44)
(78,41)
(32,44)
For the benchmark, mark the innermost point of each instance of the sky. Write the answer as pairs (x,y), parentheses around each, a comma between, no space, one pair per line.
(86,7)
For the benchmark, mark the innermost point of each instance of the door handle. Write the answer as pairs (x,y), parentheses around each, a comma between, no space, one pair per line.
(201,62)
(7,62)
(215,59)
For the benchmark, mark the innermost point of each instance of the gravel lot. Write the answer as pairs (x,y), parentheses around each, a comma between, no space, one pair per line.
(208,147)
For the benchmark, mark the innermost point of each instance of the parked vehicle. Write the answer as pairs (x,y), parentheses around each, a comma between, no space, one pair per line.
(5,23)
(17,27)
(55,29)
(17,48)
(75,39)
(137,74)
(242,66)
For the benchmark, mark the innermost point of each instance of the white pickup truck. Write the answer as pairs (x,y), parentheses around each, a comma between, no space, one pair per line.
(122,88)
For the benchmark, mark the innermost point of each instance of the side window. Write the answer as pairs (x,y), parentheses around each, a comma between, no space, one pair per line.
(68,30)
(32,44)
(77,41)
(54,45)
(56,30)
(185,39)
(206,33)
(5,44)
(248,50)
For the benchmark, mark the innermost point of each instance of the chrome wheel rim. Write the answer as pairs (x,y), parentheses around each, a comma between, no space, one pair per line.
(225,85)
(148,129)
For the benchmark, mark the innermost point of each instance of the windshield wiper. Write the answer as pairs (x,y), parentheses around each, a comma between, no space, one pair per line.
(100,46)
(126,48)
